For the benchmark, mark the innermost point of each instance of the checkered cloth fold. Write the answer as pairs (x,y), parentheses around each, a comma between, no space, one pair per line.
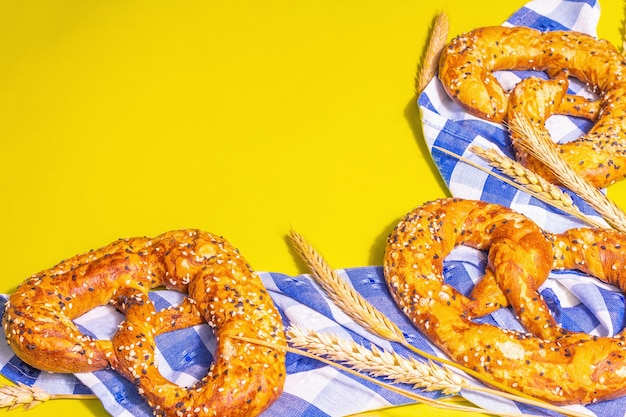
(313,389)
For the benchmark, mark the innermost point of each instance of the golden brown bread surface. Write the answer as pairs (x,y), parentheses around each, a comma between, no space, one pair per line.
(466,73)
(222,290)
(547,361)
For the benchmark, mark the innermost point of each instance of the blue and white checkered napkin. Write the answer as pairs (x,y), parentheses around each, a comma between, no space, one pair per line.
(313,389)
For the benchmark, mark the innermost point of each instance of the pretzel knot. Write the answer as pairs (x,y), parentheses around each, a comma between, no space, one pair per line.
(466,72)
(222,290)
(546,361)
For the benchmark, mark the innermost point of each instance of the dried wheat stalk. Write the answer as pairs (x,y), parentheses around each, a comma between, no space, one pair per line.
(376,362)
(430,62)
(409,394)
(21,395)
(536,184)
(343,295)
(556,201)
(539,145)
(444,405)
(524,176)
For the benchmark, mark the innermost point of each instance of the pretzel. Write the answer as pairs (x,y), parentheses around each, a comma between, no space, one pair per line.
(222,290)
(546,361)
(466,72)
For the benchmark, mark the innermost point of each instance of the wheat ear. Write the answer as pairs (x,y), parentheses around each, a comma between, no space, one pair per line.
(539,145)
(430,61)
(524,176)
(408,394)
(536,184)
(22,395)
(344,296)
(545,196)
(377,362)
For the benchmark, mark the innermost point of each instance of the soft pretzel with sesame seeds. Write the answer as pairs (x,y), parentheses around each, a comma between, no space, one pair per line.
(221,289)
(466,72)
(547,361)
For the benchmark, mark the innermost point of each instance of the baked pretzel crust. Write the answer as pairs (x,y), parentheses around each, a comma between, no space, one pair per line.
(466,72)
(222,290)
(547,361)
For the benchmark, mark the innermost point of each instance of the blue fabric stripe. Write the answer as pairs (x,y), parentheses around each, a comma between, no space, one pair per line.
(530,18)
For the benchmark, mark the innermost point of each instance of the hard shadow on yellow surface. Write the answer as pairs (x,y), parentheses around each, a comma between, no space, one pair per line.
(247,119)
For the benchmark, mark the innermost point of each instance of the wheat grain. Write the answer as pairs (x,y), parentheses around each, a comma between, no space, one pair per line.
(444,405)
(349,300)
(533,183)
(377,362)
(556,203)
(430,62)
(22,395)
(524,176)
(539,145)
(408,394)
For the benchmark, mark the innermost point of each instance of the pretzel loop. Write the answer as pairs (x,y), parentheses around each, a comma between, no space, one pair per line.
(221,288)
(546,361)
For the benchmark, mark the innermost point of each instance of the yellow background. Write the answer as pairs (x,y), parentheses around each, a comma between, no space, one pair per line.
(244,118)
